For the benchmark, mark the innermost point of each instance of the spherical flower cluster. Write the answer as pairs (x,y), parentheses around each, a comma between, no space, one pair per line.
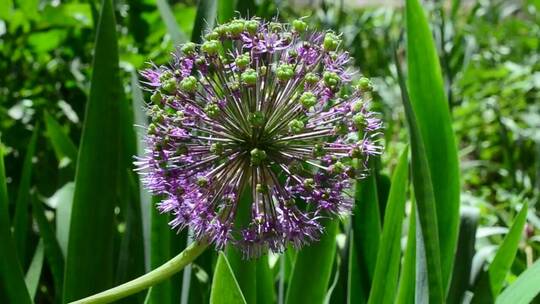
(263,122)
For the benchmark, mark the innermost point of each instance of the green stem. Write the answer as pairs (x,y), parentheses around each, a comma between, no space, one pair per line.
(153,277)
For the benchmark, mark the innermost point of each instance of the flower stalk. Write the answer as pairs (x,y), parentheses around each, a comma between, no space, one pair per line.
(155,276)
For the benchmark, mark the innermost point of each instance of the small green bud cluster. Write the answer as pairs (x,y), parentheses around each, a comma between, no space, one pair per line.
(256,119)
(331,79)
(299,26)
(249,77)
(331,42)
(257,156)
(189,84)
(285,72)
(308,100)
(364,85)
(296,126)
(242,61)
(211,47)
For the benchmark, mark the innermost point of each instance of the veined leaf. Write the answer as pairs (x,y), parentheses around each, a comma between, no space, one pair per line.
(225,288)
(34,271)
(315,259)
(63,147)
(432,119)
(387,268)
(524,289)
(407,278)
(428,258)
(13,289)
(464,255)
(51,248)
(177,36)
(90,248)
(206,14)
(20,221)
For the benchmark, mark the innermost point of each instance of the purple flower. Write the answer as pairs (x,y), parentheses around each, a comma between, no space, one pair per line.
(262,116)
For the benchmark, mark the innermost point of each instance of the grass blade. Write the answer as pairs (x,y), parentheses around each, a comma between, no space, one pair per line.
(177,36)
(432,116)
(34,271)
(51,247)
(63,147)
(90,247)
(491,282)
(13,289)
(225,10)
(206,15)
(225,288)
(317,258)
(428,261)
(387,268)
(20,221)
(464,255)
(524,288)
(407,279)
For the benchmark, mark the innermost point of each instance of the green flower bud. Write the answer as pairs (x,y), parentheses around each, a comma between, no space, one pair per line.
(256,119)
(296,126)
(169,86)
(200,60)
(242,61)
(275,27)
(331,79)
(189,48)
(338,168)
(331,42)
(364,84)
(312,78)
(252,26)
(262,69)
(202,181)
(257,156)
(236,27)
(152,129)
(284,72)
(221,30)
(156,98)
(308,100)
(358,120)
(210,47)
(299,26)
(213,35)
(165,76)
(212,110)
(309,183)
(189,84)
(249,77)
(357,107)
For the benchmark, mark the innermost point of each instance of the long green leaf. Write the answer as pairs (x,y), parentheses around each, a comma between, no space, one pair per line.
(408,275)
(12,286)
(62,145)
(491,282)
(225,10)
(225,288)
(265,282)
(20,221)
(52,250)
(355,291)
(314,265)
(34,271)
(90,248)
(387,268)
(430,107)
(464,255)
(428,260)
(206,15)
(177,36)
(64,203)
(524,289)
(366,222)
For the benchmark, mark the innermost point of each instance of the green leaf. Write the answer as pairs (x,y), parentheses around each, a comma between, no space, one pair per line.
(63,200)
(408,274)
(314,265)
(177,36)
(524,289)
(464,255)
(366,223)
(355,290)
(90,247)
(225,10)
(52,250)
(34,271)
(265,282)
(20,221)
(432,116)
(63,147)
(246,8)
(225,288)
(387,268)
(11,276)
(206,14)
(428,260)
(491,282)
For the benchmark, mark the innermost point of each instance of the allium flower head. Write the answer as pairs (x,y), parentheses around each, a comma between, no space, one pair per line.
(262,118)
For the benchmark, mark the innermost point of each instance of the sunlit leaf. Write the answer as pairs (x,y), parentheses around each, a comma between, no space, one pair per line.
(34,271)
(225,288)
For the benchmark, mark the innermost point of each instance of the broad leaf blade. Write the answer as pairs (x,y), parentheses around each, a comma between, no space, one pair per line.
(13,289)
(34,271)
(524,289)
(177,36)
(387,268)
(432,116)
(225,288)
(206,15)
(315,259)
(20,221)
(90,248)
